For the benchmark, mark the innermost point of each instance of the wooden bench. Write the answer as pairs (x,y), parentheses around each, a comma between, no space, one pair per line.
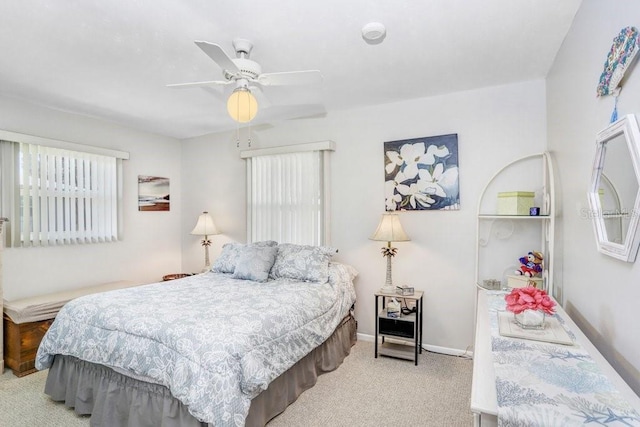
(27,320)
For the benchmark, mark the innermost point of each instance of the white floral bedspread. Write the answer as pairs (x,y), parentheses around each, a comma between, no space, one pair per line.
(543,384)
(214,341)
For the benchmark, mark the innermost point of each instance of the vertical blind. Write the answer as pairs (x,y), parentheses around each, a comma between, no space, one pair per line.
(286,197)
(63,196)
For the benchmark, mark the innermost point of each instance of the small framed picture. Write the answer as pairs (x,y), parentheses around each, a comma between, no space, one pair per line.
(153,193)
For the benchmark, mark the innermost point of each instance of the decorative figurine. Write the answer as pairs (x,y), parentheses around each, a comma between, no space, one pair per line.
(531,264)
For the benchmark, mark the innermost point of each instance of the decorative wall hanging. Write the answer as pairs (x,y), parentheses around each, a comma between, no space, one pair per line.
(622,53)
(422,173)
(153,193)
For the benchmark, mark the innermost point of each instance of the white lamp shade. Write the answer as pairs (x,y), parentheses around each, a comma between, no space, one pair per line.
(390,229)
(242,105)
(205,226)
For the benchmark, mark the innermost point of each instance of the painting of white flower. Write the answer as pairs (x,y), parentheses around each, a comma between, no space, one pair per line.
(422,174)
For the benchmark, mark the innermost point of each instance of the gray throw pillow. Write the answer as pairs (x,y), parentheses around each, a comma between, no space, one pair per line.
(228,259)
(226,262)
(302,262)
(254,263)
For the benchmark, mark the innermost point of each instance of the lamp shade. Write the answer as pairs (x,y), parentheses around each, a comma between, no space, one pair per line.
(242,105)
(205,226)
(390,229)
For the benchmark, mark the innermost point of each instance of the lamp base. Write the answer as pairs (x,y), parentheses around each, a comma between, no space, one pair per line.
(388,289)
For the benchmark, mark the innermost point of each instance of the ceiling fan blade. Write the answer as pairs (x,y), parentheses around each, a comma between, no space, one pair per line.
(309,111)
(263,101)
(261,127)
(212,83)
(220,57)
(291,78)
(294,112)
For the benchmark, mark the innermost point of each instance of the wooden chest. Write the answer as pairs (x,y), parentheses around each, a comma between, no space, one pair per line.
(21,343)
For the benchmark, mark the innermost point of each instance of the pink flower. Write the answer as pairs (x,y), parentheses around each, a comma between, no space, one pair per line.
(529,298)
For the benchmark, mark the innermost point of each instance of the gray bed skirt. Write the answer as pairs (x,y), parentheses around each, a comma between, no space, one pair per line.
(116,400)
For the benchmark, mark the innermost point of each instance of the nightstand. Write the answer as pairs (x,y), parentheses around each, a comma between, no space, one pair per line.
(404,329)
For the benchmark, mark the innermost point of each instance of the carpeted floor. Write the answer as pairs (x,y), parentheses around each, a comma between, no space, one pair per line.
(23,403)
(363,391)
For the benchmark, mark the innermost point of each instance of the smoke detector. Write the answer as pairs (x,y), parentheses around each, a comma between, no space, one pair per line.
(374,33)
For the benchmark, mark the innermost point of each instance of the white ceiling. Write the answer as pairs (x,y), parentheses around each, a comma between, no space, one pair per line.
(113,59)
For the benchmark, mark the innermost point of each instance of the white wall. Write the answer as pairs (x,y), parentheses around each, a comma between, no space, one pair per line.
(601,294)
(151,244)
(494,126)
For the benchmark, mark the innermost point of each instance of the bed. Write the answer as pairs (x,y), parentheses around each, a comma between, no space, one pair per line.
(229,347)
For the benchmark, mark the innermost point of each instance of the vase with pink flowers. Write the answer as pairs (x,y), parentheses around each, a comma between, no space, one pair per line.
(529,306)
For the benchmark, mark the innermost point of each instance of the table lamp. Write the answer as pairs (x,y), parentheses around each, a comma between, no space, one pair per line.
(389,230)
(205,227)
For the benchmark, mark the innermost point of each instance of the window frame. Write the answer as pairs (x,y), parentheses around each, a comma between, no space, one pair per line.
(13,190)
(325,148)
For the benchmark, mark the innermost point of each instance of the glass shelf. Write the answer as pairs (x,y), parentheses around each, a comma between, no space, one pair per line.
(495,216)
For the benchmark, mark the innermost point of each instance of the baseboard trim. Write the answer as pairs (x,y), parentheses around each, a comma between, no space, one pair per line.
(432,348)
(365,337)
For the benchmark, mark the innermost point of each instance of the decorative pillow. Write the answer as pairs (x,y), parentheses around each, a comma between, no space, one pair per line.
(254,263)
(226,262)
(302,262)
(341,272)
(270,243)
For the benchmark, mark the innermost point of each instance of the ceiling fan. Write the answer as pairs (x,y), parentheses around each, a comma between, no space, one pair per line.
(247,78)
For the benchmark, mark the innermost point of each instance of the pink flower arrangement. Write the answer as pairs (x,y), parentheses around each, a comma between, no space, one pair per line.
(529,298)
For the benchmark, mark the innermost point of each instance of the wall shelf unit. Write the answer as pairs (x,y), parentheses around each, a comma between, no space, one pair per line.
(503,239)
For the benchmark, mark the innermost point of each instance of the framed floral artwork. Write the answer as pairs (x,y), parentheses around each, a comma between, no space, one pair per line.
(422,174)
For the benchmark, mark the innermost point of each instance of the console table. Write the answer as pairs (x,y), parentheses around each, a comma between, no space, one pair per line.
(483,388)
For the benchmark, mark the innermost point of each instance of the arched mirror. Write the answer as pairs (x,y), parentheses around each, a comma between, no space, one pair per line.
(614,191)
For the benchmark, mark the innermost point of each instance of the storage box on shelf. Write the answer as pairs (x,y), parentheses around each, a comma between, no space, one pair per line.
(492,284)
(515,281)
(515,202)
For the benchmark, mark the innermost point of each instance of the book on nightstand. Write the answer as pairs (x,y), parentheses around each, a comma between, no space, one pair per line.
(404,290)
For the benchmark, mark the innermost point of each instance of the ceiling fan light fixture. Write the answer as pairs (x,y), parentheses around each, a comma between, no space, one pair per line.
(242,105)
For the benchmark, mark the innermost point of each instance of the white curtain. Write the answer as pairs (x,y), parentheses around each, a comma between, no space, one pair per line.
(286,198)
(58,196)
(9,198)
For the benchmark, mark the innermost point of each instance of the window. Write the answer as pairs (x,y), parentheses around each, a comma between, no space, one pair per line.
(287,193)
(56,196)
